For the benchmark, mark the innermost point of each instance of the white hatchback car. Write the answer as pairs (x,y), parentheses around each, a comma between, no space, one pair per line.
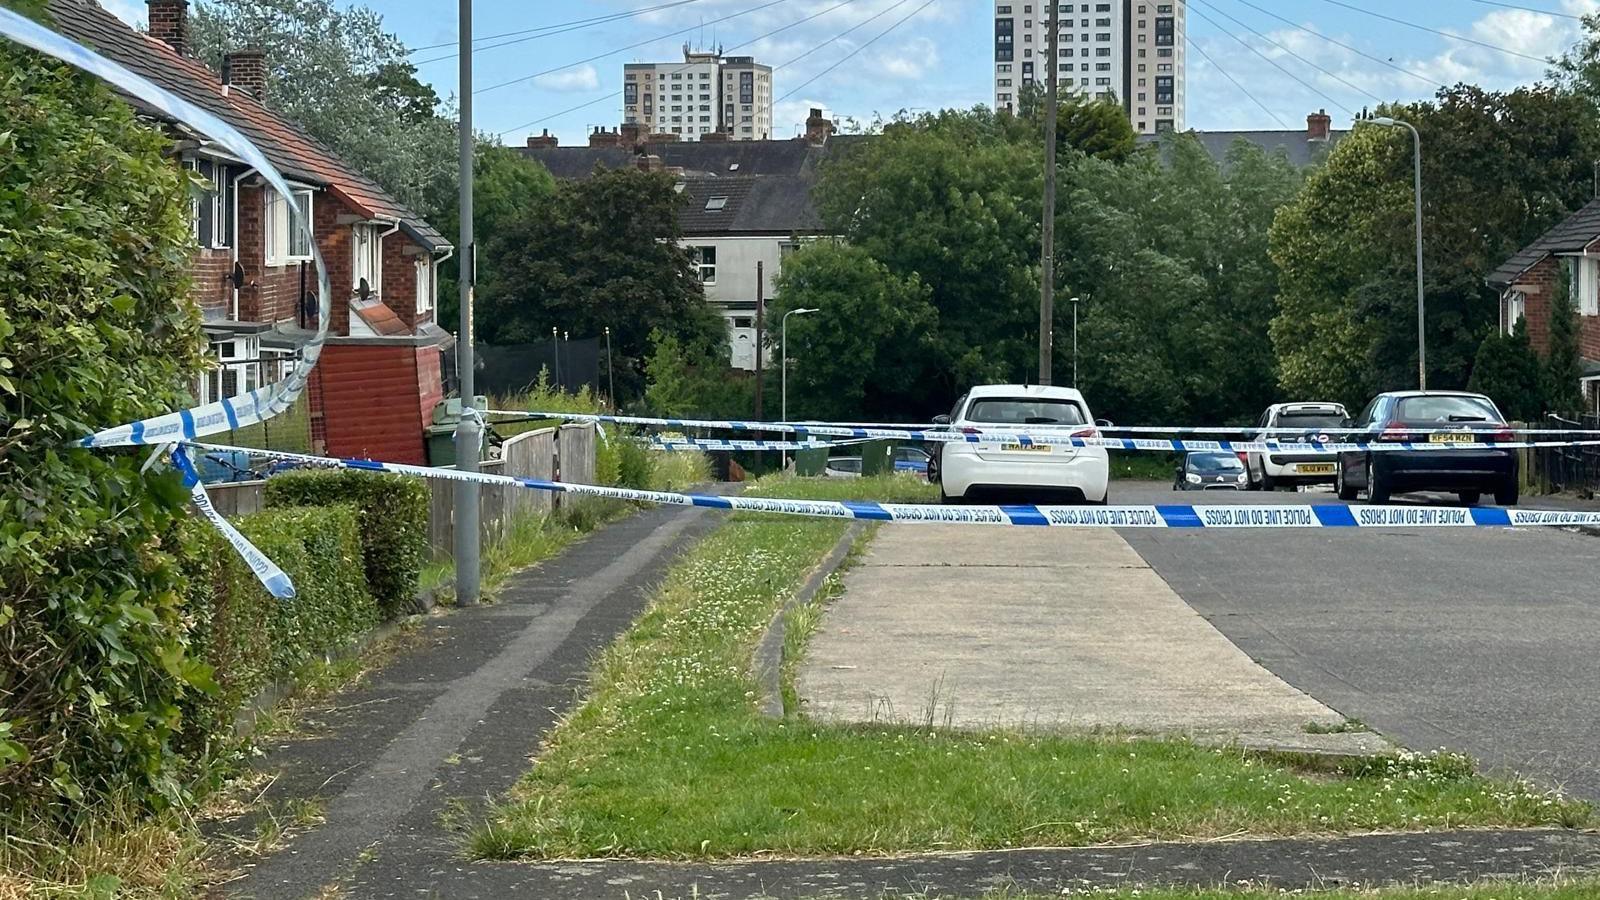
(1269,471)
(964,469)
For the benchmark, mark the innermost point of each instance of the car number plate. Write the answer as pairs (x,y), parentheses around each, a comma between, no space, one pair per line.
(1452,437)
(1315,468)
(1026,448)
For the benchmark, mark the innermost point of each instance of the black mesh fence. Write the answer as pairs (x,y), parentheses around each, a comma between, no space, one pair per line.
(511,369)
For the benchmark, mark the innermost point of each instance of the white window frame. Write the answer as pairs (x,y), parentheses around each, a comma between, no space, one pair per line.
(706,270)
(1516,307)
(1585,274)
(366,257)
(425,286)
(239,356)
(278,224)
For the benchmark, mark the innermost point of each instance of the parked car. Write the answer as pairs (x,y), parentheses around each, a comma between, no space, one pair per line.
(843,467)
(1270,471)
(912,459)
(1210,471)
(1438,417)
(1039,468)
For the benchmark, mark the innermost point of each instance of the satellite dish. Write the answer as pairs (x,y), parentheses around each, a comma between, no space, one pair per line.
(364,290)
(237,276)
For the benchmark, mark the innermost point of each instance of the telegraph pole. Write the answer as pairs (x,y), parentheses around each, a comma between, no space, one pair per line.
(761,311)
(468,429)
(1047,254)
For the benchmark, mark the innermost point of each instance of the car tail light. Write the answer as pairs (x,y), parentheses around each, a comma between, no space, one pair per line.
(1500,434)
(1394,434)
(1086,433)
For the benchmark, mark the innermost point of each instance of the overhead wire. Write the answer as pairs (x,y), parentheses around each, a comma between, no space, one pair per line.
(908,16)
(1335,76)
(1242,89)
(522,78)
(1545,12)
(547,30)
(868,20)
(1337,43)
(1445,34)
(1274,63)
(613,95)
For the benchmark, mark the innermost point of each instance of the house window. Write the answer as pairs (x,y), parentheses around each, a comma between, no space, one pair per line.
(425,286)
(211,206)
(366,257)
(705,262)
(1516,306)
(286,241)
(238,371)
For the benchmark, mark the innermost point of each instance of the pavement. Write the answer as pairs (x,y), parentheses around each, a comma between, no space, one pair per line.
(1485,641)
(950,626)
(424,742)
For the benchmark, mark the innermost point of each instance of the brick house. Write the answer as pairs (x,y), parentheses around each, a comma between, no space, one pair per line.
(1530,281)
(380,373)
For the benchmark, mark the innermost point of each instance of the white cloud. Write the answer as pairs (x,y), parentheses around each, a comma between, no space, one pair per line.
(910,59)
(572,80)
(130,11)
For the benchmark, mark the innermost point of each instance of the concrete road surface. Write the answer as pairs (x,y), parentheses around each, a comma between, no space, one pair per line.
(1480,640)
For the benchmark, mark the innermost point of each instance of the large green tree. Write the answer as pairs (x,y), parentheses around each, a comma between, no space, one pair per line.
(1093,126)
(861,353)
(603,252)
(346,80)
(1508,371)
(1499,168)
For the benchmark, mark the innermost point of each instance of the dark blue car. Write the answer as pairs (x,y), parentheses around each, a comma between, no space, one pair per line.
(1431,417)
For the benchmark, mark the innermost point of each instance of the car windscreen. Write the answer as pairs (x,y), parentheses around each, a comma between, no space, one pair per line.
(1310,421)
(1214,462)
(1446,410)
(845,463)
(1024,411)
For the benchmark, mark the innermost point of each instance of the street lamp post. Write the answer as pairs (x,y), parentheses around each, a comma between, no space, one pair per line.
(783,328)
(1422,342)
(611,375)
(1075,301)
(555,353)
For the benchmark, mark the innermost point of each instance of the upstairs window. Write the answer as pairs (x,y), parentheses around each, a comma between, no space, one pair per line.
(366,258)
(425,286)
(286,241)
(705,263)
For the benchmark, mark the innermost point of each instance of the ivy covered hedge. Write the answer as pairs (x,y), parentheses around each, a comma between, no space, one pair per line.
(96,329)
(393,524)
(250,638)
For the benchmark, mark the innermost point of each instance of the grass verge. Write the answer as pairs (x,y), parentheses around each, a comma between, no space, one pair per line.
(669,758)
(1547,889)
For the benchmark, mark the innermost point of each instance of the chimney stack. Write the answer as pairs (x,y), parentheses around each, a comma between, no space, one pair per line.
(542,141)
(714,137)
(600,137)
(247,71)
(1318,125)
(632,135)
(818,128)
(169,21)
(649,162)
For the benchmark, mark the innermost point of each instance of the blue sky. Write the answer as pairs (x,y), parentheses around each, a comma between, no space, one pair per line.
(941,57)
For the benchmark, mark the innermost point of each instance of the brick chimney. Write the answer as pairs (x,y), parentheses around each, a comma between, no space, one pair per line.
(600,137)
(1318,125)
(818,128)
(542,141)
(714,137)
(648,162)
(632,134)
(169,21)
(247,71)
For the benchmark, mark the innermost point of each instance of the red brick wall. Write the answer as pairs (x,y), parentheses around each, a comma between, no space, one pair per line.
(399,289)
(209,286)
(270,293)
(1541,284)
(369,399)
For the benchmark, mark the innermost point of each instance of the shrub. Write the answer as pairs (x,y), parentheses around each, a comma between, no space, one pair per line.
(393,520)
(635,466)
(96,329)
(1508,371)
(251,638)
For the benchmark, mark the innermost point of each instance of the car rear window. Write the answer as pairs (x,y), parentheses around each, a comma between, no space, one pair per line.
(1030,411)
(1310,420)
(1446,410)
(845,463)
(1214,462)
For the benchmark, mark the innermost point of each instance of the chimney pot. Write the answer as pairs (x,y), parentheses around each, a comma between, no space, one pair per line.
(1319,125)
(247,71)
(600,137)
(169,21)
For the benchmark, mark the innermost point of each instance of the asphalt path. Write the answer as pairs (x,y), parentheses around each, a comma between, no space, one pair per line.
(1480,640)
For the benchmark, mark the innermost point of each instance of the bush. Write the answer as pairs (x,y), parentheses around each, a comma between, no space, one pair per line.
(393,520)
(1507,370)
(96,329)
(251,638)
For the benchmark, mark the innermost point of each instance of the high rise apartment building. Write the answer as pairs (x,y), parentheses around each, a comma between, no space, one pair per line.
(706,93)
(1129,50)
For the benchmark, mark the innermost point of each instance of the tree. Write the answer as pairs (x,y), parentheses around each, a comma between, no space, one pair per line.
(1563,365)
(1097,127)
(861,353)
(345,80)
(685,381)
(96,329)
(507,186)
(1499,169)
(1508,371)
(602,252)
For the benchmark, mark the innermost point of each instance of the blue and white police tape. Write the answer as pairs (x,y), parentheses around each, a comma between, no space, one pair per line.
(1089,438)
(273,578)
(714,445)
(258,405)
(1330,515)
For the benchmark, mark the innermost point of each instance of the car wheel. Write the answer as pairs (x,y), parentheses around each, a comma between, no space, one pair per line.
(1268,483)
(1378,489)
(1469,498)
(1346,492)
(1507,493)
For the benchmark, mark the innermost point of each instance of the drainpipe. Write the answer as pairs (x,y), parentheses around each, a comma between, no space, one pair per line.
(238,178)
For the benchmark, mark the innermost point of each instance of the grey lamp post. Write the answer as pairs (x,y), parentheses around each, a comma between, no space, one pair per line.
(1422,341)
(783,328)
(1075,301)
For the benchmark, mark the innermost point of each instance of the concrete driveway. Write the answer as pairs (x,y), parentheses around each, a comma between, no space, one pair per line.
(1485,641)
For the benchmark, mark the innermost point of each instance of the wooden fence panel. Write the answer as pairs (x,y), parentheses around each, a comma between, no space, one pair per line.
(236,498)
(576,453)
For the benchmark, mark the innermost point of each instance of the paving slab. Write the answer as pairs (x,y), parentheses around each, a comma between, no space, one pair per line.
(978,628)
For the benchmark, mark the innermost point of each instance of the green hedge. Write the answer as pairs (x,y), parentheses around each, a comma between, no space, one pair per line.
(251,638)
(393,520)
